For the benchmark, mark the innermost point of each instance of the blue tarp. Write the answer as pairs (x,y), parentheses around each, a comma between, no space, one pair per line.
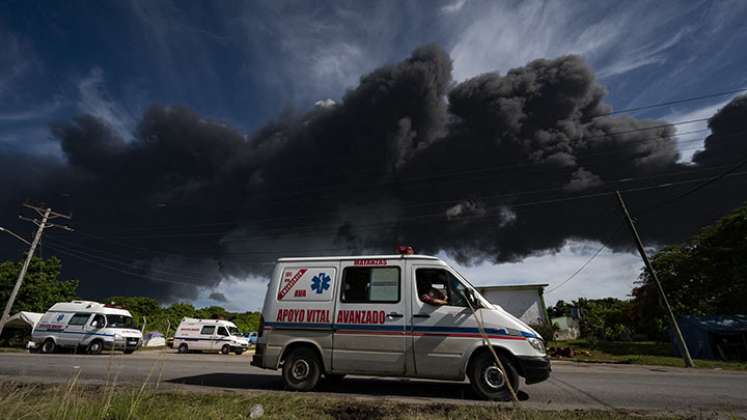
(703,332)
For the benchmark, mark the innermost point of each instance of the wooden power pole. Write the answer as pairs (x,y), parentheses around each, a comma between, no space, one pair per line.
(680,339)
(46,215)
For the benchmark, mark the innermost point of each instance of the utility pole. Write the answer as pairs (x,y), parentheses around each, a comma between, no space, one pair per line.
(680,339)
(46,215)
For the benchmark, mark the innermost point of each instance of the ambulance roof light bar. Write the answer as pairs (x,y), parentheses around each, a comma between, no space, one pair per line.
(405,250)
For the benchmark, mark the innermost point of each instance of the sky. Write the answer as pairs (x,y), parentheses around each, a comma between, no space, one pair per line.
(248,64)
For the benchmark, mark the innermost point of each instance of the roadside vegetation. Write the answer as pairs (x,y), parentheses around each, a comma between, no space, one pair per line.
(79,402)
(703,276)
(634,352)
(43,287)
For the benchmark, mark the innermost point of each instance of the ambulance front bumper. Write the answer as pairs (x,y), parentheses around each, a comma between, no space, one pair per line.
(122,343)
(534,369)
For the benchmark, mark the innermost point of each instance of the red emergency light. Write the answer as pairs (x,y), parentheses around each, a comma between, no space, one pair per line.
(405,250)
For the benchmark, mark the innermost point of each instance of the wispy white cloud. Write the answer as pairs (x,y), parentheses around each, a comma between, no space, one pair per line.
(241,294)
(453,7)
(14,61)
(501,38)
(34,140)
(40,112)
(95,100)
(695,132)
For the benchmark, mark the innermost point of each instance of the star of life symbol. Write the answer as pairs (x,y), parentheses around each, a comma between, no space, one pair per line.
(320,283)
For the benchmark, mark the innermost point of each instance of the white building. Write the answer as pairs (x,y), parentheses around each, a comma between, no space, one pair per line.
(524,301)
(568,328)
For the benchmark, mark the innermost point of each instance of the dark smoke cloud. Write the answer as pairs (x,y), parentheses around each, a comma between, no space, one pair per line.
(408,156)
(218,297)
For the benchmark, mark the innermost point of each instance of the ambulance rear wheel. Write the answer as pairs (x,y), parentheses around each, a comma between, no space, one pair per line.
(183,348)
(488,380)
(302,369)
(225,349)
(49,346)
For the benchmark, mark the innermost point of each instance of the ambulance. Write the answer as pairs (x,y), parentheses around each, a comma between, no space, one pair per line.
(86,325)
(209,335)
(402,315)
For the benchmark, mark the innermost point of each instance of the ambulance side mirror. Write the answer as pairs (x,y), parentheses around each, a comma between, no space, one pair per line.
(469,295)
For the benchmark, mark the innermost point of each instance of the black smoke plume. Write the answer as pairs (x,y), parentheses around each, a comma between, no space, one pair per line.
(495,168)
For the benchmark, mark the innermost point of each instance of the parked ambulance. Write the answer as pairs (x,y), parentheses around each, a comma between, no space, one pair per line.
(209,335)
(90,326)
(392,315)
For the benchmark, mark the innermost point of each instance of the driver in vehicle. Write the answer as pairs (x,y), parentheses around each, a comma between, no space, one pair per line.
(430,294)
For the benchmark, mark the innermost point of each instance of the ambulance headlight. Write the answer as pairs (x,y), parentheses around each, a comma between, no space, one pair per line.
(117,337)
(537,344)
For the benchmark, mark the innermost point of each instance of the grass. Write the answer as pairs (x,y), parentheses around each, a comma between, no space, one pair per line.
(636,352)
(74,401)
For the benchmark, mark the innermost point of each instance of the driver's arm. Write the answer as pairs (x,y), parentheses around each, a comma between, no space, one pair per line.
(427,298)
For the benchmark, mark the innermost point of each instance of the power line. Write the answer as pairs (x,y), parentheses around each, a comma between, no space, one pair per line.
(293,195)
(378,226)
(453,175)
(651,209)
(675,102)
(298,229)
(158,279)
(449,177)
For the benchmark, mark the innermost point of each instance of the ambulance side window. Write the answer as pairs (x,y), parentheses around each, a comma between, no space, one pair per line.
(222,331)
(98,321)
(441,284)
(370,285)
(79,319)
(208,330)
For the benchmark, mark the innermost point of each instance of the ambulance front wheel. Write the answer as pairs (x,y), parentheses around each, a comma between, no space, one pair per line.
(183,348)
(488,379)
(225,349)
(302,369)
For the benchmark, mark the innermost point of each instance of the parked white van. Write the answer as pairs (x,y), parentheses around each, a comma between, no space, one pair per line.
(88,325)
(390,315)
(209,335)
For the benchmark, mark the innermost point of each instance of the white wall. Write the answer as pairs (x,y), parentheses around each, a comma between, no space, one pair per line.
(523,304)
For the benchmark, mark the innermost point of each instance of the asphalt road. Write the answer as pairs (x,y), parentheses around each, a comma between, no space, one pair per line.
(571,385)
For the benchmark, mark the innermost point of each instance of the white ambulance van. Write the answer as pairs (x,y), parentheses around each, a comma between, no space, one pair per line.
(209,335)
(91,326)
(391,315)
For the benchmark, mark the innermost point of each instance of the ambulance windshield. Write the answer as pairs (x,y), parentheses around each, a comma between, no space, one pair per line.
(234,331)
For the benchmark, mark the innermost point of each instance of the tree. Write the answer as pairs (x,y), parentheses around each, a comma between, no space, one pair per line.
(561,308)
(140,307)
(607,319)
(707,275)
(41,287)
(247,321)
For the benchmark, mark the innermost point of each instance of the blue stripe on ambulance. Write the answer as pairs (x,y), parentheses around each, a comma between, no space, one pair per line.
(417,329)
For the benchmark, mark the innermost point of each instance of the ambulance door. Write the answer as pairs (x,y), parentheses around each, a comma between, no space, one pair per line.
(443,327)
(206,340)
(370,318)
(75,329)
